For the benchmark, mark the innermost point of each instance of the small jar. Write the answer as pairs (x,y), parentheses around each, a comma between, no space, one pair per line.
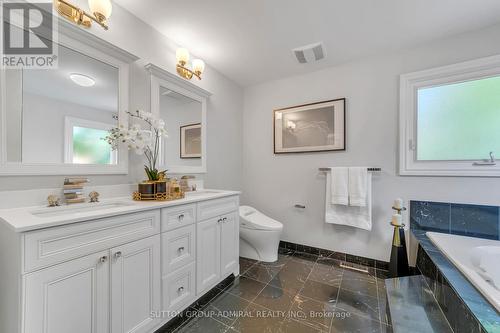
(175,189)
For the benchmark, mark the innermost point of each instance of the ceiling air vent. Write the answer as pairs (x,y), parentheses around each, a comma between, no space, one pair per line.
(309,53)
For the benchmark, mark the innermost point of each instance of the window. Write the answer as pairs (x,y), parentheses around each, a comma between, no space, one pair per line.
(84,142)
(450,120)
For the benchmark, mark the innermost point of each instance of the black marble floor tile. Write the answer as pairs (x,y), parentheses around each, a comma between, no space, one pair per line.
(224,307)
(258,319)
(312,313)
(202,325)
(352,323)
(304,257)
(262,273)
(282,260)
(326,274)
(292,276)
(201,303)
(294,326)
(300,292)
(361,283)
(275,299)
(320,292)
(245,288)
(358,304)
(245,264)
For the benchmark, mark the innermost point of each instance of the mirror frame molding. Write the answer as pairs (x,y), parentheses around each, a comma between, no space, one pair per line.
(163,78)
(90,45)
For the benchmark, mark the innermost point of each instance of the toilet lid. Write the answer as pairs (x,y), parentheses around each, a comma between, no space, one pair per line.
(253,219)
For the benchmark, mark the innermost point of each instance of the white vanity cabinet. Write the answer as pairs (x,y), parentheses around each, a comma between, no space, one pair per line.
(200,246)
(217,242)
(115,274)
(135,285)
(76,295)
(68,297)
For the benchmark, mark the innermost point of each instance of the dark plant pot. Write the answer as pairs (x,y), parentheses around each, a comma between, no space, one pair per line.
(147,188)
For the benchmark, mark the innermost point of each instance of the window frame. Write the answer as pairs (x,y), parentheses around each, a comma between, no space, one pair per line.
(70,123)
(409,85)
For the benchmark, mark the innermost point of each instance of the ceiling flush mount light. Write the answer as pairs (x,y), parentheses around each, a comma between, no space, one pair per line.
(82,80)
(182,56)
(100,9)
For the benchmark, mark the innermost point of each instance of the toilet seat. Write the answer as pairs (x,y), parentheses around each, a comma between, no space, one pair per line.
(253,219)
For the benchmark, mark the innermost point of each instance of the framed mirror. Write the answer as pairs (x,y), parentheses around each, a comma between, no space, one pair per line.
(54,121)
(183,107)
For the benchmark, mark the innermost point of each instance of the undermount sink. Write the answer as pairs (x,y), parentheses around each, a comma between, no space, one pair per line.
(78,208)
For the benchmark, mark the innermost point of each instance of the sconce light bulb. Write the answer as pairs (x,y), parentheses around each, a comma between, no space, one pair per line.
(102,7)
(198,66)
(182,55)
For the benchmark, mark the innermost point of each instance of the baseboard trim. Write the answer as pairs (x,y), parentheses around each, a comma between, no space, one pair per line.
(374,263)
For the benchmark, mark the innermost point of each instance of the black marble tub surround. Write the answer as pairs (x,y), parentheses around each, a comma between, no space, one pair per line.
(465,307)
(459,219)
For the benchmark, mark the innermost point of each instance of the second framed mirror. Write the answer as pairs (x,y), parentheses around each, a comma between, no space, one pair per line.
(183,107)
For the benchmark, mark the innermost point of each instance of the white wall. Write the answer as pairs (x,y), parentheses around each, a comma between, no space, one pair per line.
(274,183)
(224,106)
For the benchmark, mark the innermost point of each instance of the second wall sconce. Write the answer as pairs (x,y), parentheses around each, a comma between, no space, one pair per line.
(198,65)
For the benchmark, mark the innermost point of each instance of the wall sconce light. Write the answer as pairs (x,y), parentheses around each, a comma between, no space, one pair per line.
(182,56)
(101,11)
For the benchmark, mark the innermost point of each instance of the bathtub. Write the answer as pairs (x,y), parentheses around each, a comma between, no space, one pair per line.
(477,259)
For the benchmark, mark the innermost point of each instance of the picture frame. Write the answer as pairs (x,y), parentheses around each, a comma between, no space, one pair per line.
(313,127)
(190,141)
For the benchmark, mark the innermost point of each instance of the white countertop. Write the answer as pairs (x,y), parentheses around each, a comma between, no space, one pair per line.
(22,219)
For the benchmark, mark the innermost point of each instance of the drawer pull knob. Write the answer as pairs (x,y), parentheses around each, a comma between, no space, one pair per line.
(103,259)
(181,249)
(219,221)
(181,217)
(118,254)
(180,290)
(224,219)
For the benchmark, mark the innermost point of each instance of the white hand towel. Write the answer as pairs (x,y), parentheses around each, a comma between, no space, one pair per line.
(358,185)
(339,186)
(358,217)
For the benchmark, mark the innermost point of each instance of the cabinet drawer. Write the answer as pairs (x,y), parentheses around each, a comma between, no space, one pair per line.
(178,216)
(178,248)
(179,288)
(212,208)
(47,247)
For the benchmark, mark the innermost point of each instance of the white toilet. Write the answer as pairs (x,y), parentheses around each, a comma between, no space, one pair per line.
(259,235)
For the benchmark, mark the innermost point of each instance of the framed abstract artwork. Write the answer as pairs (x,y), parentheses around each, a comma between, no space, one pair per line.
(191,141)
(311,127)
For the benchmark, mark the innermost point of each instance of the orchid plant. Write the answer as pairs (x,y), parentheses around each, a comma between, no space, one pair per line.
(142,142)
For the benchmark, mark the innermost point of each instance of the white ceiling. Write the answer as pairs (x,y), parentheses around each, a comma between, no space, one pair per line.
(250,41)
(56,84)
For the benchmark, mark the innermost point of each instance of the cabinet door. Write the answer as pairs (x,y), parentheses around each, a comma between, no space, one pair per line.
(135,285)
(207,254)
(69,297)
(229,244)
